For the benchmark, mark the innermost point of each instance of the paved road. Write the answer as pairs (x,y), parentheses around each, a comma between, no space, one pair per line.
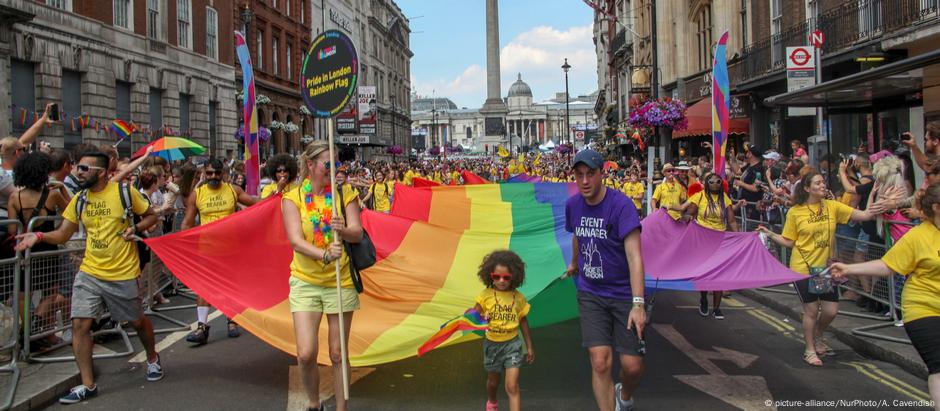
(758,360)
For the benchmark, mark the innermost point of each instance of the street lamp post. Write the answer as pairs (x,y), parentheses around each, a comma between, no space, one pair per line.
(246,19)
(567,67)
(434,128)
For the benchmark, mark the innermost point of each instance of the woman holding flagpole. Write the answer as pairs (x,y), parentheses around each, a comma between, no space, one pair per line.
(316,230)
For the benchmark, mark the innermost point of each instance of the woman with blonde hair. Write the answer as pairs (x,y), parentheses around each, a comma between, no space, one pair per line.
(317,236)
(889,179)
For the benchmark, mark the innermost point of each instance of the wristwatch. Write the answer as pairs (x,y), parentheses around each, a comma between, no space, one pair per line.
(639,302)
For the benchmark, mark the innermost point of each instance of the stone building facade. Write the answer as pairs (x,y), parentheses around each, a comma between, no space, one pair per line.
(164,68)
(529,124)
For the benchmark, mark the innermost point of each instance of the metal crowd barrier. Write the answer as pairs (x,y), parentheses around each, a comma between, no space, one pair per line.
(51,274)
(883,290)
(9,318)
(153,280)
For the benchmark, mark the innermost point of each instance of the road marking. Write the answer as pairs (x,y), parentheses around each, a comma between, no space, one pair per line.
(172,338)
(773,320)
(297,394)
(747,392)
(766,321)
(886,379)
(722,307)
(731,302)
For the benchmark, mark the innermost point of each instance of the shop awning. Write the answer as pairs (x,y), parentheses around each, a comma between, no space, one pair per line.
(904,77)
(700,121)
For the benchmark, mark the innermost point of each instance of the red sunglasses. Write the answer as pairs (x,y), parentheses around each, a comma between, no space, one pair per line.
(503,277)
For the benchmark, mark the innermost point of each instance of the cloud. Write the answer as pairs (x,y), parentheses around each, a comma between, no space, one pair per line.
(538,55)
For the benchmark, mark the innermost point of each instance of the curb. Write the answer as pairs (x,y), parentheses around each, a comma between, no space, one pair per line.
(861,345)
(41,385)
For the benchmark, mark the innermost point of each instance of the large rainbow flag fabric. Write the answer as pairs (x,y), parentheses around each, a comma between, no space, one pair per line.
(429,249)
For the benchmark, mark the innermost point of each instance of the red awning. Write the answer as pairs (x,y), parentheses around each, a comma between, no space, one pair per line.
(700,121)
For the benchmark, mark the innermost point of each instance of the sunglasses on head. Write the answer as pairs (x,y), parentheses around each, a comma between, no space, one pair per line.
(85,168)
(501,277)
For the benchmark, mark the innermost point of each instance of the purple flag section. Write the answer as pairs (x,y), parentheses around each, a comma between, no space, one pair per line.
(690,257)
(524,178)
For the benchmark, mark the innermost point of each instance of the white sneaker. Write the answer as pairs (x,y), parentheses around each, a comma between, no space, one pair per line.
(621,405)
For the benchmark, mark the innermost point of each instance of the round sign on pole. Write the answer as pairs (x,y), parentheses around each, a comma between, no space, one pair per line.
(328,78)
(799,56)
(817,38)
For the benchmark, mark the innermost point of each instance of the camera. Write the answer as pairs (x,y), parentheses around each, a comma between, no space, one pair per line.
(54,112)
(906,136)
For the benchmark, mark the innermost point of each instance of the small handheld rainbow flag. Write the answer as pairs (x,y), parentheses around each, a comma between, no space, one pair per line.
(122,129)
(471,320)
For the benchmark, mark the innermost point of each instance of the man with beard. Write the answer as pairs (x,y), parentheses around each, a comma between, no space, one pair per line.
(213,200)
(108,275)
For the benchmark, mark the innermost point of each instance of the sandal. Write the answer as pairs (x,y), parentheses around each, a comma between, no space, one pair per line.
(822,348)
(811,358)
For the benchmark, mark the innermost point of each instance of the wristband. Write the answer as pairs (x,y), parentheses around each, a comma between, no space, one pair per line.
(39,236)
(639,300)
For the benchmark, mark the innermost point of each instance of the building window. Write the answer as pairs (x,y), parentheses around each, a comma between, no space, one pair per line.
(23,90)
(153,19)
(122,110)
(259,49)
(124,14)
(184,13)
(287,7)
(213,124)
(212,33)
(704,37)
(303,11)
(274,60)
(290,62)
(184,112)
(776,27)
(156,110)
(71,103)
(274,3)
(60,4)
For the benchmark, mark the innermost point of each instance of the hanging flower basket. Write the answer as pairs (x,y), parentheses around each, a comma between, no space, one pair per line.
(276,125)
(306,139)
(263,133)
(260,99)
(665,112)
(394,150)
(290,127)
(305,111)
(434,151)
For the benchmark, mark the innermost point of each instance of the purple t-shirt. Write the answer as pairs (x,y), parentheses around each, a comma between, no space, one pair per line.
(601,230)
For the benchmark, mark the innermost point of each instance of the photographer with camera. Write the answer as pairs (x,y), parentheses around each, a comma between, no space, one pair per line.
(931,149)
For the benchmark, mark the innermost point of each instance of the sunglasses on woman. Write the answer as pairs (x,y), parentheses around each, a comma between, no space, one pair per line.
(326,164)
(501,277)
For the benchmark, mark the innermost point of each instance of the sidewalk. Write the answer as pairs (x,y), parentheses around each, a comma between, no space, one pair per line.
(903,355)
(41,384)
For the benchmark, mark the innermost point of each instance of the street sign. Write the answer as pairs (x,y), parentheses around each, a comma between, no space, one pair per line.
(801,72)
(817,38)
(800,58)
(579,135)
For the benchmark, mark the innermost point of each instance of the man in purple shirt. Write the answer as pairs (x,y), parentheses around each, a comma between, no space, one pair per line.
(608,270)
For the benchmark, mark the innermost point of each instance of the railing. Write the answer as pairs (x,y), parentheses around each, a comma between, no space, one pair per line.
(849,24)
(620,43)
(9,318)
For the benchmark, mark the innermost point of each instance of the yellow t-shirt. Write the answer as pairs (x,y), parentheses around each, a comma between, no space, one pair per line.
(634,190)
(312,270)
(814,233)
(917,255)
(504,309)
(409,177)
(670,194)
(214,205)
(108,257)
(381,196)
(270,189)
(714,218)
(455,176)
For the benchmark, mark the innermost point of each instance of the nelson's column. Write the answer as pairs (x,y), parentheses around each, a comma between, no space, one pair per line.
(494,109)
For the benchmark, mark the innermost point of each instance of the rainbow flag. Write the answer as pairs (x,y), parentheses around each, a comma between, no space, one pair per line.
(429,249)
(252,158)
(122,129)
(721,105)
(471,320)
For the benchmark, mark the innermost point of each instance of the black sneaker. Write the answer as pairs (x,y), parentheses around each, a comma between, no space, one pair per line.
(78,394)
(200,335)
(233,331)
(703,307)
(719,315)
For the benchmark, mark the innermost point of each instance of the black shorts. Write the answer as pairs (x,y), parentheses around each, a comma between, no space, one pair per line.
(925,336)
(604,323)
(802,289)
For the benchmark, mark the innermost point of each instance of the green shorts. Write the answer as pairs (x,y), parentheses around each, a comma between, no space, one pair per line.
(306,297)
(498,356)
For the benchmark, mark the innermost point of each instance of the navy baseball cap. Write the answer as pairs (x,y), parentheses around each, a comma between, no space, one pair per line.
(590,158)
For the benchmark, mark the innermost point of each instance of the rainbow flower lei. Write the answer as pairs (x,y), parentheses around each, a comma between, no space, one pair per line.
(320,217)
